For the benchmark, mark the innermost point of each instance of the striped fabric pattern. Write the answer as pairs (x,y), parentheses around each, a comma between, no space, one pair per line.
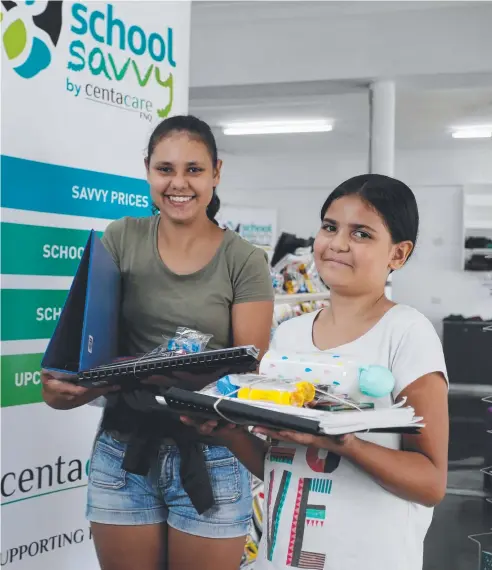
(312,560)
(321,486)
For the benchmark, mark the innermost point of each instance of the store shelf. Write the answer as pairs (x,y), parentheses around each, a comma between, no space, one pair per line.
(479,251)
(306,297)
(475,390)
(477,219)
(478,200)
(301,298)
(478,224)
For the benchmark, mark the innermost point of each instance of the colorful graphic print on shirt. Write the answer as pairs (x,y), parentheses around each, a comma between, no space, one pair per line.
(307,523)
(322,460)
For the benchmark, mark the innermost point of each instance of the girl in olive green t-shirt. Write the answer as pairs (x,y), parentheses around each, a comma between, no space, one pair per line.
(178,269)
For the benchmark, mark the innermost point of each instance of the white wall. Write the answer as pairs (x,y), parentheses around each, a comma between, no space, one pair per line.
(433,281)
(297,184)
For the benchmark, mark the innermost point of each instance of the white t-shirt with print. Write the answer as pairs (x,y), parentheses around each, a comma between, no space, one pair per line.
(324,513)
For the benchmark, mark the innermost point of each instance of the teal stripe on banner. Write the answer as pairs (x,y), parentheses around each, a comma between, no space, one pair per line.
(42,187)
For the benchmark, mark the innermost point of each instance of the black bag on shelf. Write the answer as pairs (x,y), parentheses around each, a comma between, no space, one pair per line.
(479,262)
(473,242)
(288,243)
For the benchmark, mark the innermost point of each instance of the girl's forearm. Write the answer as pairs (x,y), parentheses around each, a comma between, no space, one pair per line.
(249,449)
(407,474)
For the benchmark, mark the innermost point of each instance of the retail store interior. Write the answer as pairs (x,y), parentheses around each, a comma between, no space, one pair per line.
(291,61)
(301,95)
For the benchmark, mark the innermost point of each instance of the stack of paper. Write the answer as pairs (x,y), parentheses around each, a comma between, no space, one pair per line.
(398,417)
(336,423)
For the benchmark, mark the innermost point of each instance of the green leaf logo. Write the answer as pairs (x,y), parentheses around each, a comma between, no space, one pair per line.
(15,39)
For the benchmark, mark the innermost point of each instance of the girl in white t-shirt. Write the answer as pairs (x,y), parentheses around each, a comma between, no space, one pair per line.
(360,502)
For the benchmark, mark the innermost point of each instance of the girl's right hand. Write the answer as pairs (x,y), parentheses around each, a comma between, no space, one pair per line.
(62,395)
(226,433)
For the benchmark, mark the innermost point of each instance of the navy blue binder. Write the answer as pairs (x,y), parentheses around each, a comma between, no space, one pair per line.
(86,334)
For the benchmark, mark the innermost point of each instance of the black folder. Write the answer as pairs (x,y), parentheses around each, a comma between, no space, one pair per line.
(201,406)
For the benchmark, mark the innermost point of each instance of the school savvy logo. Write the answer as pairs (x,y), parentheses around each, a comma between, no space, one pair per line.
(113,51)
(108,59)
(31,34)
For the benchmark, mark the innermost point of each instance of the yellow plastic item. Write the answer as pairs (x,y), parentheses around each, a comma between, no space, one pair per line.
(308,390)
(307,281)
(303,394)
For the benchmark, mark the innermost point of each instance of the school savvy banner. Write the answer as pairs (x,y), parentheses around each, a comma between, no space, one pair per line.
(83,85)
(256,225)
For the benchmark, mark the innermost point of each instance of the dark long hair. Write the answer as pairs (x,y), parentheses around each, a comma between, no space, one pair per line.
(393,201)
(195,128)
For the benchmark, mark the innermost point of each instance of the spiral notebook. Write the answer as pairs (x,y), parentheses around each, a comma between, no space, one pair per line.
(219,362)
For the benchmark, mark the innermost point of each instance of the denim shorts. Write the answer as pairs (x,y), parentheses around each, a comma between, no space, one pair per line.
(118,497)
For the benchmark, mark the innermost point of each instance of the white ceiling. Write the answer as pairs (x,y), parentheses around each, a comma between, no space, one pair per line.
(423,119)
(264,9)
(427,106)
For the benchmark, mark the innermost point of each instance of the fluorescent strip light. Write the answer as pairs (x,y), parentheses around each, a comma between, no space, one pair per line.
(277,127)
(484,132)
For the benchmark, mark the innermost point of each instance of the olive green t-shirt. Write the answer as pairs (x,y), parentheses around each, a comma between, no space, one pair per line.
(155,301)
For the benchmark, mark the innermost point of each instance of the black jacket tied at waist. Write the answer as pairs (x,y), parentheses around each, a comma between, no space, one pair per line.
(144,428)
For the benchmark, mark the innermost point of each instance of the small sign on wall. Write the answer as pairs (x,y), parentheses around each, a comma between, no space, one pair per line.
(256,225)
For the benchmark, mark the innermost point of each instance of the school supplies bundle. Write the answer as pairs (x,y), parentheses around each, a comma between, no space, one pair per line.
(342,374)
(320,393)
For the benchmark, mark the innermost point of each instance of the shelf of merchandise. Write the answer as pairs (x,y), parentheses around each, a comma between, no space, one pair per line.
(286,299)
(477,217)
(301,298)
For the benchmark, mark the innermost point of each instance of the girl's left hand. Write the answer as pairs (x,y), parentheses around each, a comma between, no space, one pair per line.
(338,444)
(207,427)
